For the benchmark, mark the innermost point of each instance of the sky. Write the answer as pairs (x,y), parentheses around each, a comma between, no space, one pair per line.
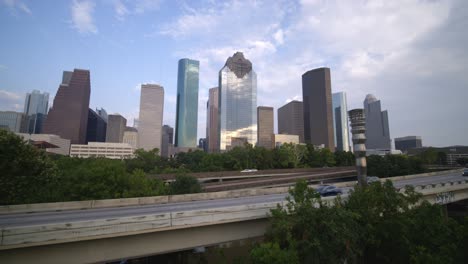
(411,54)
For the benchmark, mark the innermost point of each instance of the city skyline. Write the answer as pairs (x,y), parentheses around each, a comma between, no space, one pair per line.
(395,66)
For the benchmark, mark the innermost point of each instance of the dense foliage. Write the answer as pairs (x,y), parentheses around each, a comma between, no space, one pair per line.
(28,175)
(376,224)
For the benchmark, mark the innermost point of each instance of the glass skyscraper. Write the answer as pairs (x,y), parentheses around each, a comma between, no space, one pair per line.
(340,121)
(237,102)
(377,129)
(187,104)
(35,109)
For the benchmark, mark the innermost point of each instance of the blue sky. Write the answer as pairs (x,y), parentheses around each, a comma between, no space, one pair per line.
(411,54)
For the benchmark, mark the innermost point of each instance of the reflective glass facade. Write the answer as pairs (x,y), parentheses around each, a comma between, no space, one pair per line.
(340,121)
(35,109)
(187,103)
(237,102)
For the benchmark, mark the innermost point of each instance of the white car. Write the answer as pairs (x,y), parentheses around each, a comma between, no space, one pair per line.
(249,170)
(371,179)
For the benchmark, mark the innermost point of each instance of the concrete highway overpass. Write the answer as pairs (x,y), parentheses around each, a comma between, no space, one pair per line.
(97,231)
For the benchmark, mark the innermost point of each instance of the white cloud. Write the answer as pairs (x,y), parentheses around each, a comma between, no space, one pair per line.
(11,101)
(82,17)
(3,67)
(120,10)
(17,5)
(9,95)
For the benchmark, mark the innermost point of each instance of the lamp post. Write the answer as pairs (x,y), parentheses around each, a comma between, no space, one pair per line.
(358,131)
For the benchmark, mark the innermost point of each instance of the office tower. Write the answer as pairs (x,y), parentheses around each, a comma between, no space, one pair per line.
(212,120)
(151,116)
(187,104)
(96,129)
(237,102)
(291,119)
(115,128)
(131,136)
(68,117)
(318,117)
(167,142)
(409,142)
(102,113)
(265,127)
(13,121)
(377,130)
(35,109)
(340,121)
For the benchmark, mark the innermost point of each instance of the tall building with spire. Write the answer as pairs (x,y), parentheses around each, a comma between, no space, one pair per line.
(187,104)
(377,128)
(151,117)
(237,102)
(212,114)
(68,117)
(317,103)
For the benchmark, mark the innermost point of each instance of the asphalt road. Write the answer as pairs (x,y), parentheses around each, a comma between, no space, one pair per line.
(31,219)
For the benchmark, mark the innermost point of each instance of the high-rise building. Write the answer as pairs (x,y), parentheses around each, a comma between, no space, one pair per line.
(318,115)
(35,109)
(151,116)
(187,104)
(265,129)
(291,119)
(13,121)
(116,125)
(96,129)
(340,121)
(377,129)
(68,117)
(237,102)
(167,140)
(409,142)
(131,136)
(212,116)
(102,113)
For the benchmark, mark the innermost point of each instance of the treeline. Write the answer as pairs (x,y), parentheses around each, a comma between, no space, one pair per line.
(376,224)
(29,175)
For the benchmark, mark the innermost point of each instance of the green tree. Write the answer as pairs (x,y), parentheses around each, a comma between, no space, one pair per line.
(185,184)
(145,160)
(26,173)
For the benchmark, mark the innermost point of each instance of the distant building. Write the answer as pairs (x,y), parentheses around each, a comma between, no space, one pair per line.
(151,116)
(102,113)
(62,145)
(382,152)
(167,140)
(212,118)
(291,119)
(237,102)
(340,121)
(13,121)
(68,117)
(187,104)
(131,137)
(202,144)
(409,142)
(318,114)
(102,149)
(265,127)
(36,106)
(116,125)
(281,139)
(453,152)
(96,129)
(377,129)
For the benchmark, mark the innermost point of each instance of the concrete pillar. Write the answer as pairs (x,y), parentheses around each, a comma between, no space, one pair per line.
(358,130)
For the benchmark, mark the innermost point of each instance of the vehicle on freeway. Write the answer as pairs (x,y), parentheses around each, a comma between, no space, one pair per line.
(465,172)
(371,179)
(249,170)
(328,190)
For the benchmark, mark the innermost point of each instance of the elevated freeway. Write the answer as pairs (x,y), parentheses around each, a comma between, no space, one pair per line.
(125,230)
